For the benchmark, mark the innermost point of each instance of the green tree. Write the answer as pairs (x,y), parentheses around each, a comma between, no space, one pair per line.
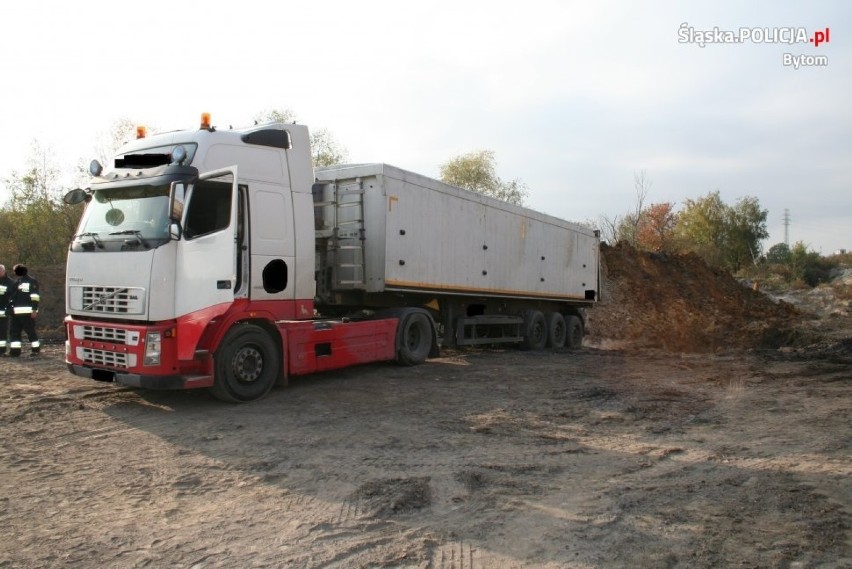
(477,171)
(746,227)
(325,149)
(38,182)
(624,228)
(778,254)
(809,266)
(701,227)
(725,236)
(35,225)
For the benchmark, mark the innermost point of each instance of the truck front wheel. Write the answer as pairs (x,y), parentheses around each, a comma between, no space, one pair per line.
(247,365)
(414,340)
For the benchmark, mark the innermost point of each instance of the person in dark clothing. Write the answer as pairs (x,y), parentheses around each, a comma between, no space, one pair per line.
(23,310)
(6,286)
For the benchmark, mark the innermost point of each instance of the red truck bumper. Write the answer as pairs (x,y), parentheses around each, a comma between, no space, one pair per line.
(134,355)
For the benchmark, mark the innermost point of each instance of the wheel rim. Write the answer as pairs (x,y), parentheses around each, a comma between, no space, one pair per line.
(247,364)
(575,337)
(538,333)
(412,338)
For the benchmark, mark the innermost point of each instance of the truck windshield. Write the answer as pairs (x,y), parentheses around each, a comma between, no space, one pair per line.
(135,217)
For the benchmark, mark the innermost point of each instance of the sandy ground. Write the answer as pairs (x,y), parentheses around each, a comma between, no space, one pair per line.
(598,458)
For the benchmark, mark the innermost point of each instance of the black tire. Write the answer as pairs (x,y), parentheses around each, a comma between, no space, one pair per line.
(574,327)
(414,339)
(247,365)
(535,330)
(557,331)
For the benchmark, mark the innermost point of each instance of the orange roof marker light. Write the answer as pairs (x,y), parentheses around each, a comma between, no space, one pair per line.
(141,132)
(205,121)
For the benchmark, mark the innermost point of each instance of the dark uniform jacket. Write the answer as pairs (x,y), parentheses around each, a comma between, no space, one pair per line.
(23,297)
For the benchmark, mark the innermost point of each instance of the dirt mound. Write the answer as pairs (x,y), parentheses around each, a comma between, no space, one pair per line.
(679,303)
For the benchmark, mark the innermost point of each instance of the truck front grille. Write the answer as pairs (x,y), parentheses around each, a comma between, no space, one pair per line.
(113,335)
(106,334)
(105,358)
(107,299)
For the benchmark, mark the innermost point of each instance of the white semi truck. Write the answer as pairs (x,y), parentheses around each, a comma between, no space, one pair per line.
(220,259)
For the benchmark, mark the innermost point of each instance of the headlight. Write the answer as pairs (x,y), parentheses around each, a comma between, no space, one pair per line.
(152,348)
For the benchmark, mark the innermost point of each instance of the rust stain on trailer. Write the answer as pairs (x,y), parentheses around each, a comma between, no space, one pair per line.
(465,289)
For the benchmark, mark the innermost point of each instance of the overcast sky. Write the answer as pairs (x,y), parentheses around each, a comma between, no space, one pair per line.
(573,97)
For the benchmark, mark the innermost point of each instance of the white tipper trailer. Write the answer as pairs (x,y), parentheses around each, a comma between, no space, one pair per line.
(491,271)
(221,259)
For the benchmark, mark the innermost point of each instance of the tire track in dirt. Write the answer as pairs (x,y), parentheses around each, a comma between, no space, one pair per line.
(544,461)
(456,555)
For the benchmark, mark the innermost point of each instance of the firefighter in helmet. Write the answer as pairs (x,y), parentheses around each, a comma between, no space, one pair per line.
(23,310)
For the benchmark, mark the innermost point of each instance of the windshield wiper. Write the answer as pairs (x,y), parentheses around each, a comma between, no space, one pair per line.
(134,232)
(94,237)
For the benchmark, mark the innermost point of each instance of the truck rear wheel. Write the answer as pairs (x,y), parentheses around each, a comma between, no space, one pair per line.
(574,327)
(535,330)
(557,332)
(247,365)
(414,339)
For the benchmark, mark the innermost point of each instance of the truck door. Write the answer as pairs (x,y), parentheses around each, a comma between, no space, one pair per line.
(207,263)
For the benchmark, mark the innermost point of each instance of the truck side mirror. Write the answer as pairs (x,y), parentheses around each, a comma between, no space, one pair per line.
(177,197)
(76,196)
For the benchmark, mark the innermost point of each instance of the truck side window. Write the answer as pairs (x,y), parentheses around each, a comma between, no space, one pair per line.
(209,209)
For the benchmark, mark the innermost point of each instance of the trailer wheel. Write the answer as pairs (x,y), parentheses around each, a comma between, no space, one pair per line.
(557,332)
(247,365)
(535,330)
(574,327)
(414,340)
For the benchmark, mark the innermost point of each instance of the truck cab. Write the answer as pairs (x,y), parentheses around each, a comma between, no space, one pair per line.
(184,235)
